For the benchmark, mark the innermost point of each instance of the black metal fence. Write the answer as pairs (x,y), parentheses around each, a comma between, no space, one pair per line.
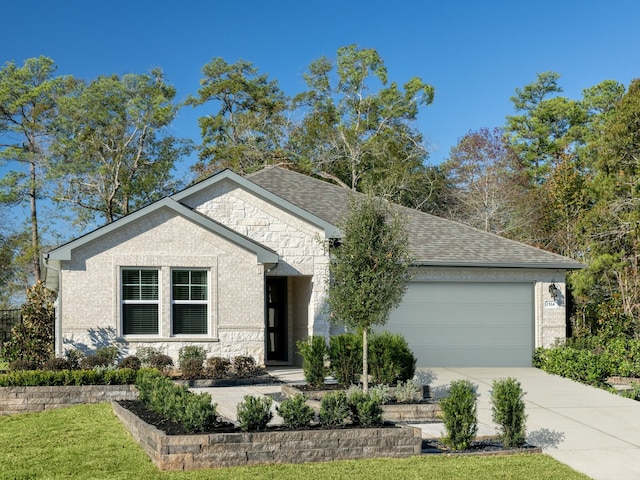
(8,319)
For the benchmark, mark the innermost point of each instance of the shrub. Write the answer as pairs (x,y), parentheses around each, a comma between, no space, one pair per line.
(459,410)
(408,392)
(244,365)
(191,360)
(195,412)
(93,361)
(124,376)
(334,409)
(581,365)
(217,367)
(21,365)
(145,354)
(160,362)
(74,356)
(381,392)
(131,362)
(366,409)
(254,413)
(313,353)
(508,411)
(345,353)
(110,354)
(57,363)
(390,359)
(295,412)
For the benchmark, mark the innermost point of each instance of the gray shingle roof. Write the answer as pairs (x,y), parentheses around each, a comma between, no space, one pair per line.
(433,240)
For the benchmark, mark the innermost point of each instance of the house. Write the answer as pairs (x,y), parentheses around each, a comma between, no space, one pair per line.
(239,266)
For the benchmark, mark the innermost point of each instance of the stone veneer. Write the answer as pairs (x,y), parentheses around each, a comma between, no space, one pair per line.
(15,400)
(190,452)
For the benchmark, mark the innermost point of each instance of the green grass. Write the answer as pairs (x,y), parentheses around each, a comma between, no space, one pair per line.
(88,442)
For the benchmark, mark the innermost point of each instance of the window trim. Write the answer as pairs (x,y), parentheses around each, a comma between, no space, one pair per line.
(157,301)
(206,302)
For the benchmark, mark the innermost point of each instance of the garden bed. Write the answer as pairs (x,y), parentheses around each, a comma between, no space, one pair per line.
(488,446)
(226,449)
(425,411)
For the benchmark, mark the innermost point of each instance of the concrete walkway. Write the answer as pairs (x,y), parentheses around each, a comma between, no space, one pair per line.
(591,430)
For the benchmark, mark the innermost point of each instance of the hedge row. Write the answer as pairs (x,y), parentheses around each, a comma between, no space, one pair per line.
(40,378)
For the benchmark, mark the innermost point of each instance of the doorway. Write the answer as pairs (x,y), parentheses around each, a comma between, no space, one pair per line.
(276,319)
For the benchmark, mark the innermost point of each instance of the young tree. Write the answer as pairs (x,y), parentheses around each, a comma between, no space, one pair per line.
(112,155)
(248,130)
(28,104)
(357,128)
(369,269)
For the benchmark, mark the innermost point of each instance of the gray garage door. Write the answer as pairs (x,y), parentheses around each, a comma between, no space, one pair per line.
(467,324)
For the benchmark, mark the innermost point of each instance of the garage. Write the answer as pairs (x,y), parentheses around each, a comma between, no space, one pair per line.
(467,324)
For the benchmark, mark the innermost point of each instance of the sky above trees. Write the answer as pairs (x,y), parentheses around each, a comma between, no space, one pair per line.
(475,54)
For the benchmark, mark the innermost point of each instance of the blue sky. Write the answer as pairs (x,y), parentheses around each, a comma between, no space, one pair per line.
(474,53)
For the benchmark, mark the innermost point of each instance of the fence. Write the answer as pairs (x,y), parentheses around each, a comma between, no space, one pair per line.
(8,319)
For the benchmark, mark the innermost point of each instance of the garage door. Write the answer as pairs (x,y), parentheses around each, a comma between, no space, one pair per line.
(467,324)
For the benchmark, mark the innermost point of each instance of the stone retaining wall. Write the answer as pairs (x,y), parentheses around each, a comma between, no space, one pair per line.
(189,452)
(36,399)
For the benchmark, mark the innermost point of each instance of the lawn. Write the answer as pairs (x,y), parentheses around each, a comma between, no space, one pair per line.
(88,442)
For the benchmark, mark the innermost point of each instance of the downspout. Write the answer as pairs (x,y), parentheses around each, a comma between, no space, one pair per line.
(57,329)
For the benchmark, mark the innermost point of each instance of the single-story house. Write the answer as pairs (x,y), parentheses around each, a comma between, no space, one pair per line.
(239,265)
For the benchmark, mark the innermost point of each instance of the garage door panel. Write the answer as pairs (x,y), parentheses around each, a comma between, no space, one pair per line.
(467,324)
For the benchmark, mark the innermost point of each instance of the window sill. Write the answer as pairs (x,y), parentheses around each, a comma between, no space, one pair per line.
(168,339)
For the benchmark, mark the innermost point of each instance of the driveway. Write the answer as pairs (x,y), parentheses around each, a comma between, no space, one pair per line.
(592,431)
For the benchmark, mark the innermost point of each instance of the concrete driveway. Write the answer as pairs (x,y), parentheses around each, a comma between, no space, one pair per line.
(592,431)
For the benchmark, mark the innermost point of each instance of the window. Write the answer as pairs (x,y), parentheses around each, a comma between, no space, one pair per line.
(139,301)
(189,302)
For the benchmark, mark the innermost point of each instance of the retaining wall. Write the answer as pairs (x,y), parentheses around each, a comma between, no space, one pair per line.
(189,452)
(36,399)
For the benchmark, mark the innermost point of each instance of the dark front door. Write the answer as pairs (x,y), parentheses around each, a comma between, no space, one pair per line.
(276,321)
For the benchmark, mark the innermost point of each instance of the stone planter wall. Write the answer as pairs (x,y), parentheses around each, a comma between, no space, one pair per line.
(36,399)
(189,452)
(397,412)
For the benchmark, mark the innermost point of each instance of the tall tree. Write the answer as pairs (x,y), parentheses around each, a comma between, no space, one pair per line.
(547,127)
(357,127)
(369,269)
(112,151)
(483,172)
(248,130)
(28,104)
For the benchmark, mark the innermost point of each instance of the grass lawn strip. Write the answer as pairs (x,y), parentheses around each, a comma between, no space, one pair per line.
(87,441)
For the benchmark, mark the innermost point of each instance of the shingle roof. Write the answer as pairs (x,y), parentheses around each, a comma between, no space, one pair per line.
(433,240)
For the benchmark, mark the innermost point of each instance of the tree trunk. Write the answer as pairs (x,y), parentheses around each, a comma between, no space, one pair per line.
(365,360)
(35,240)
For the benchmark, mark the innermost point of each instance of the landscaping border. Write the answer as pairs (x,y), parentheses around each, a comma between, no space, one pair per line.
(15,400)
(190,452)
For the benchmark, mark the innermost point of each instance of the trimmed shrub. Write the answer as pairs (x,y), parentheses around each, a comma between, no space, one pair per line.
(131,362)
(57,363)
(145,354)
(92,361)
(508,411)
(217,367)
(366,409)
(160,362)
(295,412)
(345,352)
(74,356)
(459,410)
(408,392)
(390,359)
(254,413)
(35,378)
(244,366)
(583,366)
(334,409)
(110,354)
(191,361)
(313,353)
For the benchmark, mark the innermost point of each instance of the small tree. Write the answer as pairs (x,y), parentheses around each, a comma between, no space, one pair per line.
(369,269)
(508,411)
(33,339)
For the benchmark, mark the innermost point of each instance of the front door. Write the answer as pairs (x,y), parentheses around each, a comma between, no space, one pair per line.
(276,321)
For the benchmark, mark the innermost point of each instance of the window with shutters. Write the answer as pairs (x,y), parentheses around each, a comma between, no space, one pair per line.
(189,302)
(140,301)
